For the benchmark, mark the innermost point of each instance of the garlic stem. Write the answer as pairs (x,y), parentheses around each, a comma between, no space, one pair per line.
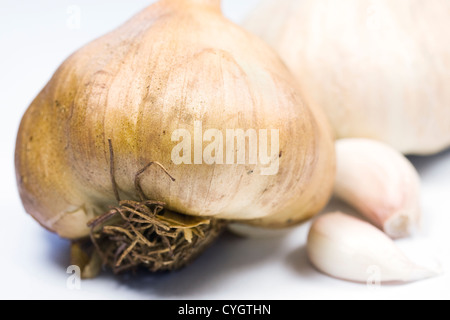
(347,248)
(380,183)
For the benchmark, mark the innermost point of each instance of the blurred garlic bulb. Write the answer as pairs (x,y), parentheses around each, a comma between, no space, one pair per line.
(379,68)
(380,183)
(177,65)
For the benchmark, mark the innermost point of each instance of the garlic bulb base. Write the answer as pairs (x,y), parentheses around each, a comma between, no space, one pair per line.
(144,234)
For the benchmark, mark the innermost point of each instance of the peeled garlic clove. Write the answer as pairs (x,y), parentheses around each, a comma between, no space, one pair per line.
(380,183)
(350,249)
(379,69)
(177,74)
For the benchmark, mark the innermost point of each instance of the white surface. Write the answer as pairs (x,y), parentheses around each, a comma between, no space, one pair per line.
(34,40)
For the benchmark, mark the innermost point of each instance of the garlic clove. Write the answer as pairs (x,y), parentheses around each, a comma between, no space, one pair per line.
(347,248)
(380,183)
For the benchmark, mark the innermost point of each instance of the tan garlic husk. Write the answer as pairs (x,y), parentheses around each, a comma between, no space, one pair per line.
(379,68)
(380,183)
(175,65)
(350,249)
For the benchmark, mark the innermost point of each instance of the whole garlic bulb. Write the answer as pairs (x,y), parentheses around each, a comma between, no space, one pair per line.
(379,68)
(175,65)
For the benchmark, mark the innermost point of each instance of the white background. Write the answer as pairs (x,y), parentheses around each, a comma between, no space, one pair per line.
(34,39)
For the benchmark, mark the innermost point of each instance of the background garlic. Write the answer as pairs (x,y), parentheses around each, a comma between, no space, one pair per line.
(175,64)
(380,183)
(379,68)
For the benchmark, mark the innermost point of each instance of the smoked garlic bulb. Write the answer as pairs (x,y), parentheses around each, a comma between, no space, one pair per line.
(379,68)
(168,86)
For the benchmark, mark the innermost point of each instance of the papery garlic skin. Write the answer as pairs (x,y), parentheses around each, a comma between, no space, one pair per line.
(379,68)
(176,62)
(350,249)
(380,183)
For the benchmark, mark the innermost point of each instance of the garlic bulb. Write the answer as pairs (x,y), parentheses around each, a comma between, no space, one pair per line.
(170,86)
(379,182)
(350,249)
(379,68)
